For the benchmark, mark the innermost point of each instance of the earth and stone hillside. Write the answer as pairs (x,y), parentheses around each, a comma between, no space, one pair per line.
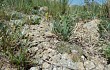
(43,42)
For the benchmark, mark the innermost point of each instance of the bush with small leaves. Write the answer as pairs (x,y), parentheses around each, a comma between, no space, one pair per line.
(63,26)
(13,45)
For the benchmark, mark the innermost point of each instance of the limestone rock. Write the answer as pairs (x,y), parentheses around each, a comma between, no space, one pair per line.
(89,65)
(108,67)
(33,49)
(80,66)
(99,67)
(33,68)
(45,65)
(86,33)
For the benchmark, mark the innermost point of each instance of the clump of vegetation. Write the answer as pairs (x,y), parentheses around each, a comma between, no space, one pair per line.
(13,45)
(35,20)
(63,26)
(104,29)
(107,52)
(32,6)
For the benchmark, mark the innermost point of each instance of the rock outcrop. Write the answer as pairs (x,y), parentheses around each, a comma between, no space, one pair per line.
(46,52)
(86,33)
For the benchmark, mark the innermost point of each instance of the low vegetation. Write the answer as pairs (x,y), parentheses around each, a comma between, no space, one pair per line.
(63,26)
(13,45)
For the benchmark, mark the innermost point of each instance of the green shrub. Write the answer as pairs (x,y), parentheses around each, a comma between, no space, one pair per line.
(107,52)
(13,45)
(1,2)
(63,26)
(35,20)
(18,5)
(104,29)
(26,6)
(85,15)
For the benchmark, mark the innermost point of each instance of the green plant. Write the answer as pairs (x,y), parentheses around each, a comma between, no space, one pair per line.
(1,1)
(26,6)
(107,51)
(13,45)
(18,5)
(59,7)
(104,29)
(63,26)
(35,20)
(91,10)
(20,59)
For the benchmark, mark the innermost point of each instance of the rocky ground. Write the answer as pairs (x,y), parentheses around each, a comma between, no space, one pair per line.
(47,52)
(49,57)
